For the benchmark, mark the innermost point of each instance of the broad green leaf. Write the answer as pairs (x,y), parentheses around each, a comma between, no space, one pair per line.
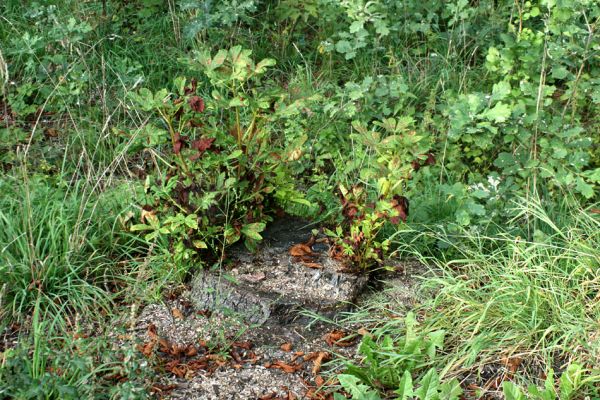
(505,160)
(499,113)
(450,390)
(262,66)
(199,244)
(512,391)
(179,83)
(500,90)
(358,390)
(428,386)
(405,387)
(436,341)
(343,46)
(356,26)
(235,154)
(252,230)
(191,221)
(584,188)
(410,338)
(570,381)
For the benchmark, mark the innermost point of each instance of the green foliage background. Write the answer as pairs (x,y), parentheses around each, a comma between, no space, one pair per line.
(465,108)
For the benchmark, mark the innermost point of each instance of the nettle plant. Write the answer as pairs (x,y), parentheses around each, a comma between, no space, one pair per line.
(385,156)
(224,170)
(391,363)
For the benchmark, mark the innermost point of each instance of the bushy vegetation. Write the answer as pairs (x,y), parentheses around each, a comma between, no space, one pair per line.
(139,139)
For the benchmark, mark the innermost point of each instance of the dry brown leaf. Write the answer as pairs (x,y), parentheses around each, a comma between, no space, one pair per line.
(51,132)
(312,265)
(236,356)
(251,357)
(512,363)
(287,368)
(363,332)
(254,278)
(147,215)
(158,388)
(178,349)
(191,351)
(291,396)
(147,348)
(177,314)
(243,345)
(164,345)
(152,332)
(287,347)
(336,338)
(319,381)
(322,356)
(296,355)
(300,249)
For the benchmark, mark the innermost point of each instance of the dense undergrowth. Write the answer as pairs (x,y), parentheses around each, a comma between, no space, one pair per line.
(139,139)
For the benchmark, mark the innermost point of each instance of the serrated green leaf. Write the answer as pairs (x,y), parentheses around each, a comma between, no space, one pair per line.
(343,46)
(505,160)
(428,386)
(584,188)
(358,390)
(356,26)
(405,387)
(511,391)
(450,390)
(499,113)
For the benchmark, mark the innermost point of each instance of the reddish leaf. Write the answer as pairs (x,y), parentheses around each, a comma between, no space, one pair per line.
(177,147)
(430,159)
(196,103)
(192,89)
(202,144)
(400,204)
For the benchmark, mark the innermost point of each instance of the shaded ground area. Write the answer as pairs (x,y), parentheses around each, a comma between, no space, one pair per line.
(244,333)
